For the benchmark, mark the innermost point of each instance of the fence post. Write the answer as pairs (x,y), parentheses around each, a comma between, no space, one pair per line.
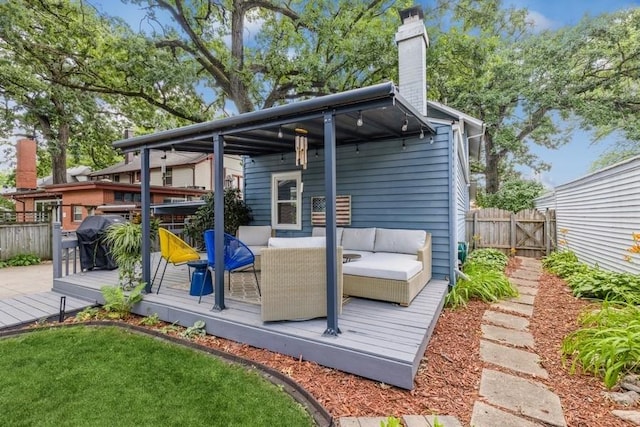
(56,249)
(512,228)
(547,232)
(475,227)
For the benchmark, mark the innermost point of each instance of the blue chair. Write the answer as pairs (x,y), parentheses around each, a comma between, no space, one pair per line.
(236,256)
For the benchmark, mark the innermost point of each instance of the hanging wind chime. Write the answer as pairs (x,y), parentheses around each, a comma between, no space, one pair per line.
(301,147)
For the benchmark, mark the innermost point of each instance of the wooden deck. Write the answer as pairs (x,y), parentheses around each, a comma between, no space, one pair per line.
(24,309)
(378,340)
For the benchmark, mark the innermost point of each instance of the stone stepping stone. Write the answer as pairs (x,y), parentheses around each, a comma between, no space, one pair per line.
(361,421)
(522,396)
(524,309)
(515,281)
(524,299)
(507,336)
(525,275)
(527,290)
(512,358)
(429,420)
(632,416)
(487,416)
(505,320)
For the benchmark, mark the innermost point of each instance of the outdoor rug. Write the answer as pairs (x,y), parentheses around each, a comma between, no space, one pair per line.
(243,287)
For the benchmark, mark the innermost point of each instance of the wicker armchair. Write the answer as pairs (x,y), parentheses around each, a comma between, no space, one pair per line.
(294,284)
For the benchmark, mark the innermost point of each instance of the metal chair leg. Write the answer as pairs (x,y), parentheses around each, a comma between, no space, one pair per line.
(162,277)
(156,272)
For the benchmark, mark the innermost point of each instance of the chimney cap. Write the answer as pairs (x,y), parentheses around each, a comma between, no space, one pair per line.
(411,11)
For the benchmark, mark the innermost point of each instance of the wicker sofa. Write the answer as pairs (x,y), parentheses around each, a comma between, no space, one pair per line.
(394,264)
(293,279)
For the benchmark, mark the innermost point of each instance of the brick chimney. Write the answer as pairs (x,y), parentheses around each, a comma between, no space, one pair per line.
(412,41)
(26,175)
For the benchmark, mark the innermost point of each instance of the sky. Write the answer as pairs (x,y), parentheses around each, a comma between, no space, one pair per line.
(567,163)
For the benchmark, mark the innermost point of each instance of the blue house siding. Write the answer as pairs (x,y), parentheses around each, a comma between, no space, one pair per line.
(389,186)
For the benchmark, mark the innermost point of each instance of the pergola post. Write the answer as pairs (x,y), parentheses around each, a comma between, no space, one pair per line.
(330,212)
(145,197)
(218,221)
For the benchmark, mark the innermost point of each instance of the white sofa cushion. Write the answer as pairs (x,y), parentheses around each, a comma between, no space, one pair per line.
(399,241)
(384,265)
(254,235)
(321,231)
(297,242)
(256,250)
(358,239)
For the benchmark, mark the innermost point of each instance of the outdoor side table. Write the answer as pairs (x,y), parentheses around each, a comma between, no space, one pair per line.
(199,274)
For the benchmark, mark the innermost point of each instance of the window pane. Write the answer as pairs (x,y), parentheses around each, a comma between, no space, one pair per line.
(287,189)
(286,213)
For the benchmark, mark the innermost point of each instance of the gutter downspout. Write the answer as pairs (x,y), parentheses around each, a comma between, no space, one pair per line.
(453,257)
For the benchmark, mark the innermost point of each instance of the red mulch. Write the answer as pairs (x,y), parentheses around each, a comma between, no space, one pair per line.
(448,378)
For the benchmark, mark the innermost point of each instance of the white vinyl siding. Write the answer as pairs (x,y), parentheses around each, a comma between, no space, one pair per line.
(597,214)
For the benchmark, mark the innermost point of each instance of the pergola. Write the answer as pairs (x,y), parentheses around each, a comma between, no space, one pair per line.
(372,113)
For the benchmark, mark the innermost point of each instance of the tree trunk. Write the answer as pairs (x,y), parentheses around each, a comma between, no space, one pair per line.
(238,89)
(59,156)
(492,166)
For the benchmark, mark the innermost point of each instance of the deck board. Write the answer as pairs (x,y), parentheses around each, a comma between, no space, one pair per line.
(24,309)
(378,340)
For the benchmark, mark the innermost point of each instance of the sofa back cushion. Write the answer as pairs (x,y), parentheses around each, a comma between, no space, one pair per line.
(254,235)
(322,231)
(359,239)
(399,241)
(297,242)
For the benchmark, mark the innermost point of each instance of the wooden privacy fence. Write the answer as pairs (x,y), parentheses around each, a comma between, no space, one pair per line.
(25,238)
(529,233)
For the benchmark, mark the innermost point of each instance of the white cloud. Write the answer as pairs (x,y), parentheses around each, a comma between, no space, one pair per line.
(539,21)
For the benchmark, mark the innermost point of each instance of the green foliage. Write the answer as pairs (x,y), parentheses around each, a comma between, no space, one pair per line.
(21,260)
(87,314)
(608,345)
(492,259)
(152,320)
(514,195)
(196,330)
(483,283)
(118,302)
(236,213)
(563,264)
(125,245)
(391,422)
(605,285)
(595,283)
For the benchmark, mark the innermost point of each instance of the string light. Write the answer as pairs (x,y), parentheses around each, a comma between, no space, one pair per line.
(405,124)
(421,133)
(357,149)
(404,146)
(359,122)
(280,135)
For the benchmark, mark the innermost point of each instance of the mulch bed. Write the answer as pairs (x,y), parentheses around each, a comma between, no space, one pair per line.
(448,378)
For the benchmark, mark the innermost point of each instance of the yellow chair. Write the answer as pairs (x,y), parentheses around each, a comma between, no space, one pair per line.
(173,250)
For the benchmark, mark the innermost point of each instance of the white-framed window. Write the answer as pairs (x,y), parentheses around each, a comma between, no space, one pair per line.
(77,213)
(286,200)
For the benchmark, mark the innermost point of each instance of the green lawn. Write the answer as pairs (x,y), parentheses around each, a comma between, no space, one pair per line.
(107,376)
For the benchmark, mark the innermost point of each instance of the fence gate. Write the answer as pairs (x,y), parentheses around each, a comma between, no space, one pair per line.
(529,233)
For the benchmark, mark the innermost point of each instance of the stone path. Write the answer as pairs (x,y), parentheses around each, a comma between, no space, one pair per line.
(512,396)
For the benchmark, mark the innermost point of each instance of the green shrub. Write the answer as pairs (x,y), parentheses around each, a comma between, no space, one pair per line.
(605,285)
(236,213)
(118,302)
(563,264)
(490,258)
(609,343)
(484,283)
(20,260)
